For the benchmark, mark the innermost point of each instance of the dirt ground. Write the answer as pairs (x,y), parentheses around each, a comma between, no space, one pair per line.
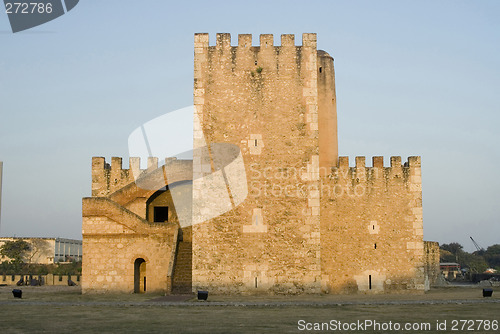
(49,309)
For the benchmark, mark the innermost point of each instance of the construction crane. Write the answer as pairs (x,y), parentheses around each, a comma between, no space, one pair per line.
(480,249)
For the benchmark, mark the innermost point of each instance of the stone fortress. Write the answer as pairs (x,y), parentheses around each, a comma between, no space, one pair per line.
(295,218)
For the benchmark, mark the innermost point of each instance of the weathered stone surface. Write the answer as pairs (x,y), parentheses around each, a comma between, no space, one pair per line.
(118,226)
(309,224)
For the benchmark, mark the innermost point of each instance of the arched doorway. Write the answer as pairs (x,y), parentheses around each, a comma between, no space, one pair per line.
(139,275)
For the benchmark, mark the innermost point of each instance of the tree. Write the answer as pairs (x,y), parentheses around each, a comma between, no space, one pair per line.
(492,256)
(451,252)
(454,248)
(493,249)
(446,256)
(38,248)
(475,263)
(15,250)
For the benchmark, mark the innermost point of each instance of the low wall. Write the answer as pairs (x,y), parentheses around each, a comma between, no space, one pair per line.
(46,279)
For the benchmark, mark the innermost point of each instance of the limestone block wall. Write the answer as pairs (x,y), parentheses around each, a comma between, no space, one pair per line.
(264,99)
(106,178)
(120,183)
(371,227)
(432,259)
(111,246)
(115,230)
(109,261)
(327,116)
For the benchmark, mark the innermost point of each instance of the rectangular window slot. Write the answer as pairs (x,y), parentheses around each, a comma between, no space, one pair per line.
(375,246)
(255,282)
(370,282)
(160,214)
(255,142)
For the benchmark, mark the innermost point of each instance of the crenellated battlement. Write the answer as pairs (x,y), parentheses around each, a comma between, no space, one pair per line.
(107,178)
(223,41)
(410,171)
(134,163)
(267,58)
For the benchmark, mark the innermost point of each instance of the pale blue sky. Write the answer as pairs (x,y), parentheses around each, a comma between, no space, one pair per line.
(413,78)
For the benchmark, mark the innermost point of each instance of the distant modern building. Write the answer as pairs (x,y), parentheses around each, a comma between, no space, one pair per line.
(450,270)
(49,250)
(1,172)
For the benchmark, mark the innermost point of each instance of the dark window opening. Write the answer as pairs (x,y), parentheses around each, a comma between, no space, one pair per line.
(255,142)
(370,282)
(256,62)
(320,69)
(375,246)
(144,283)
(373,227)
(60,278)
(160,214)
(78,278)
(256,282)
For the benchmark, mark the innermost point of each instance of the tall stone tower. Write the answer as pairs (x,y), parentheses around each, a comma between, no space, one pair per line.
(277,104)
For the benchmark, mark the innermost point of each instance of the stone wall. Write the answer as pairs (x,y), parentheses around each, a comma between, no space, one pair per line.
(49,279)
(432,260)
(115,229)
(274,210)
(371,227)
(264,99)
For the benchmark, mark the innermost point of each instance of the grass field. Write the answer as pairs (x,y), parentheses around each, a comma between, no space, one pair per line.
(65,310)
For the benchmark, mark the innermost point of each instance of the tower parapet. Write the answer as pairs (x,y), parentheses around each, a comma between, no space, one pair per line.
(108,178)
(380,209)
(254,69)
(223,40)
(408,173)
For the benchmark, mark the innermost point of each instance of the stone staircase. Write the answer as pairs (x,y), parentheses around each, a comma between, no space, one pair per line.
(182,281)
